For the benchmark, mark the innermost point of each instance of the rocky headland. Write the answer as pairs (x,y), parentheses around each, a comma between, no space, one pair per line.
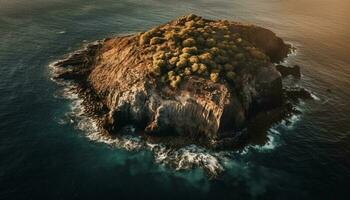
(207,81)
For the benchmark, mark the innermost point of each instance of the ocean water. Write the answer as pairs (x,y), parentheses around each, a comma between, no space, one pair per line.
(50,150)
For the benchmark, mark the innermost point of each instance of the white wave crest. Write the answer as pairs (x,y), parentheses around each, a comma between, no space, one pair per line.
(314,96)
(184,158)
(187,158)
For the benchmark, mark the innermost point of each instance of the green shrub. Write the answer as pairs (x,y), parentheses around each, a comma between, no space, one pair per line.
(184,56)
(159,55)
(228,67)
(239,57)
(214,50)
(155,70)
(202,69)
(156,40)
(173,60)
(189,42)
(210,42)
(175,83)
(200,40)
(257,54)
(193,46)
(182,63)
(187,71)
(214,77)
(205,57)
(194,59)
(195,67)
(230,76)
(190,50)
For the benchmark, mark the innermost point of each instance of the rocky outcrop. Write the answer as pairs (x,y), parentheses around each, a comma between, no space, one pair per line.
(297,93)
(265,40)
(121,88)
(286,71)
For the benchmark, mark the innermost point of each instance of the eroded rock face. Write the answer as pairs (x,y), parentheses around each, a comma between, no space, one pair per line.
(116,79)
(286,71)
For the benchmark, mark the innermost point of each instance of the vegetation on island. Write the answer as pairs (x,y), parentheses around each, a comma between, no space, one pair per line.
(193,46)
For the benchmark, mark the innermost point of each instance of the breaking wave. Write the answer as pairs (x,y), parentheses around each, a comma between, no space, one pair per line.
(185,158)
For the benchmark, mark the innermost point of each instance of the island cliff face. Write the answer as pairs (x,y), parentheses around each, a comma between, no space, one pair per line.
(206,82)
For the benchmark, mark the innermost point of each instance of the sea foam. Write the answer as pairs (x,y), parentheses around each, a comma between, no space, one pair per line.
(185,158)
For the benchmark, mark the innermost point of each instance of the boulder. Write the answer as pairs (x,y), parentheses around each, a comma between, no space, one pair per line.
(286,71)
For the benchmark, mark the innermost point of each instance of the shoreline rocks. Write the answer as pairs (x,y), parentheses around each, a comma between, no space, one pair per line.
(286,71)
(191,77)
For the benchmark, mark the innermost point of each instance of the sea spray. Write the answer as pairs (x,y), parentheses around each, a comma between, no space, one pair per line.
(184,158)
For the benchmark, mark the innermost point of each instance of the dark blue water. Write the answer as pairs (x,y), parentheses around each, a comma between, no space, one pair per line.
(40,157)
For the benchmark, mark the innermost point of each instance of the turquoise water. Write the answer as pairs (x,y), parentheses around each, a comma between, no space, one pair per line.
(43,155)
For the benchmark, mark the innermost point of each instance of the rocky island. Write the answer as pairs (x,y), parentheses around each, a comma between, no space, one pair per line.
(190,78)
